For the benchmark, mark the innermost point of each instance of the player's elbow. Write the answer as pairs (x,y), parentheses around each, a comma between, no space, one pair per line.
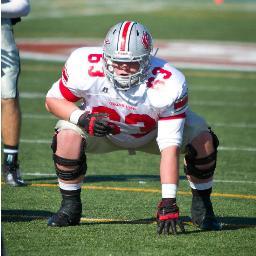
(48,104)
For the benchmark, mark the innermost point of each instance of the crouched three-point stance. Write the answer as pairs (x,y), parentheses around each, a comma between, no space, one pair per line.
(130,100)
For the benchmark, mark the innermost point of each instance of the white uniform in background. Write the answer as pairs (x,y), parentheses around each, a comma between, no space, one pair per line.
(11,11)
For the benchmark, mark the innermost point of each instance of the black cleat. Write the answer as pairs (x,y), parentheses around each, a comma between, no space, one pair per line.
(69,214)
(203,215)
(12,175)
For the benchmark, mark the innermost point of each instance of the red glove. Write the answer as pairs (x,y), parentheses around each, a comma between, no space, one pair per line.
(168,217)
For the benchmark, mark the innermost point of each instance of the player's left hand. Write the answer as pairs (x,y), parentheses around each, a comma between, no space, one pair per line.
(168,217)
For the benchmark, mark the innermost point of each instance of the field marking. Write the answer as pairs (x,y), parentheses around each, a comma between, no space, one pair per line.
(220,74)
(225,89)
(188,73)
(38,174)
(144,190)
(38,95)
(40,116)
(233,125)
(32,95)
(149,221)
(212,103)
(35,141)
(248,149)
(235,181)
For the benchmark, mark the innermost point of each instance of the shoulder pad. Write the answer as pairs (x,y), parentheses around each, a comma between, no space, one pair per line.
(167,85)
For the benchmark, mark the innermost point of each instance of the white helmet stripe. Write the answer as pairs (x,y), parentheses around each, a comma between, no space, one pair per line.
(124,36)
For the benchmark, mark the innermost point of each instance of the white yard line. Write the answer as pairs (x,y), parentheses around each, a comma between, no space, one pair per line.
(29,141)
(32,95)
(43,56)
(38,174)
(38,116)
(225,89)
(219,103)
(212,103)
(233,125)
(248,149)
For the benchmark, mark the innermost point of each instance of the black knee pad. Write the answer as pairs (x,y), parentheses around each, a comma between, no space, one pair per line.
(80,165)
(192,161)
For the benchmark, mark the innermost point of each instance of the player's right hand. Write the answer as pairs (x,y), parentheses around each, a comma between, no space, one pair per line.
(95,124)
(168,217)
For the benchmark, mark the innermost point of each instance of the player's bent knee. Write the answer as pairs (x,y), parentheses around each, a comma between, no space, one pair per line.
(79,167)
(192,162)
(75,167)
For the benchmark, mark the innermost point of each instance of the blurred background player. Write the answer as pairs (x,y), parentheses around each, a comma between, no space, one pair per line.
(11,11)
(132,101)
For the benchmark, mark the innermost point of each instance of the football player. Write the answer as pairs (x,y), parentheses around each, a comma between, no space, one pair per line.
(131,100)
(11,13)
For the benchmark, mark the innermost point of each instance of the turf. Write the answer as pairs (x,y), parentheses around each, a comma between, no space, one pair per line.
(170,24)
(121,191)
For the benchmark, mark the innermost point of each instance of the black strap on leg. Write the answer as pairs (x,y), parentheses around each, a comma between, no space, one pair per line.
(80,165)
(192,161)
(70,174)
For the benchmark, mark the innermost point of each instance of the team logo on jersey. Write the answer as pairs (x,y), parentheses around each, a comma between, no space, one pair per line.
(146,40)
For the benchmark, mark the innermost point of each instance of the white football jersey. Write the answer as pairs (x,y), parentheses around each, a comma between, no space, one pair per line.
(135,114)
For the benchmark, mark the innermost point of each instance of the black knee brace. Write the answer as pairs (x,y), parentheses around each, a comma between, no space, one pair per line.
(80,165)
(190,157)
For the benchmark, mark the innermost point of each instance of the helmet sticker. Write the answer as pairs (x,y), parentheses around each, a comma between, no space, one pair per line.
(145,40)
(106,41)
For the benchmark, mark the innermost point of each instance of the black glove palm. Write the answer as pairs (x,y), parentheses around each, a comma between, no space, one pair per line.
(95,124)
(168,217)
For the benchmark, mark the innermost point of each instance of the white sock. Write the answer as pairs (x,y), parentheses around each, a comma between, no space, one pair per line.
(201,186)
(70,187)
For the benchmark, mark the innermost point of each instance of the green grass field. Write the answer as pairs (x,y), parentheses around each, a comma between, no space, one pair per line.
(122,191)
